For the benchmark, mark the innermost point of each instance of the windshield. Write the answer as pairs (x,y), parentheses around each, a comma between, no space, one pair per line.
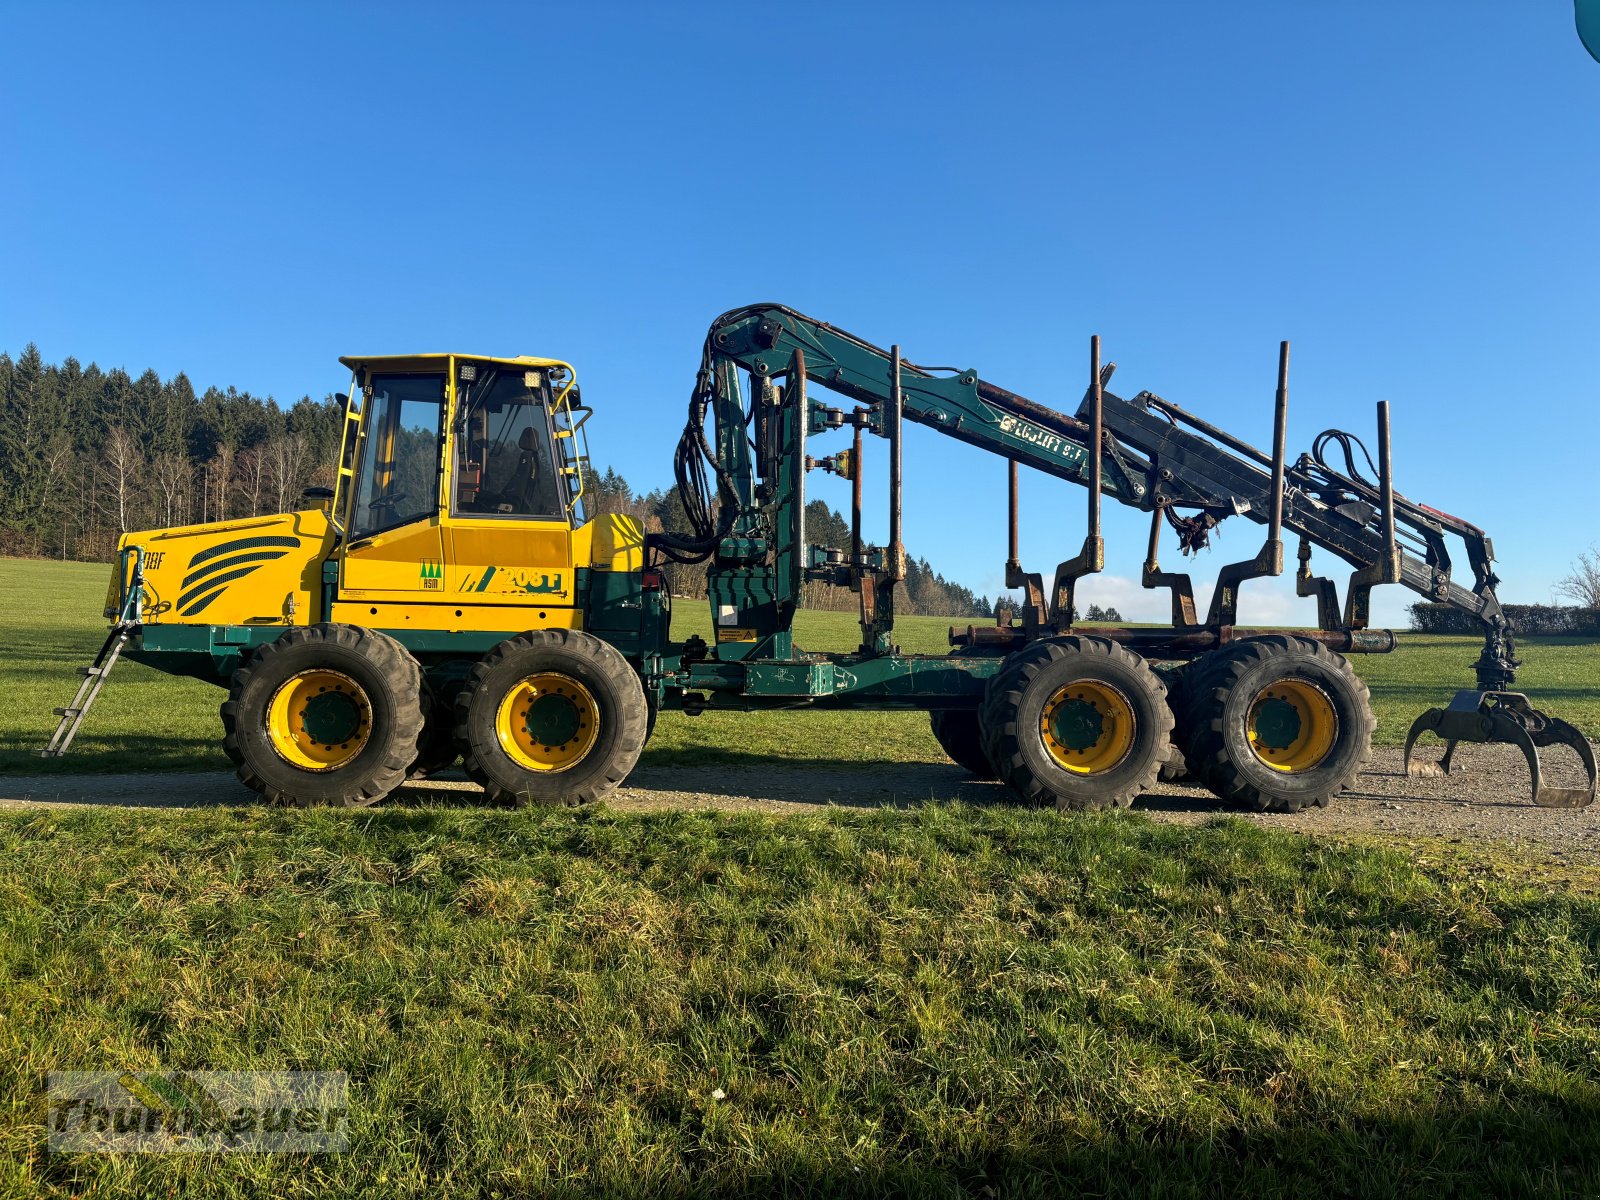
(399,476)
(504,465)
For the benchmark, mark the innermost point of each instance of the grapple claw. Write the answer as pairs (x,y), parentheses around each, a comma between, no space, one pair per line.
(1508,718)
(1556,732)
(1444,722)
(1425,723)
(1554,797)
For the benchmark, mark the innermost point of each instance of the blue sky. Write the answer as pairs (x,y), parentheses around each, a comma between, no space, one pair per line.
(1407,191)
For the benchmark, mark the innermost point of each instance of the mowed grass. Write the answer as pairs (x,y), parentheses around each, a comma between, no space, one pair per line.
(942,1002)
(144,720)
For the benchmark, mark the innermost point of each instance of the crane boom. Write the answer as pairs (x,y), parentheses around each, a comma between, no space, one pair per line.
(1156,457)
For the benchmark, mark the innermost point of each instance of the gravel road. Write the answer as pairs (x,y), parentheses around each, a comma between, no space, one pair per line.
(1486,798)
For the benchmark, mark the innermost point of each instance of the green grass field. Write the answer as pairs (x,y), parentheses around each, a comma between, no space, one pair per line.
(940,1002)
(144,720)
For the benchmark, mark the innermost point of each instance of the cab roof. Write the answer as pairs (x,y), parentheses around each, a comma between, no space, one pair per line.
(435,362)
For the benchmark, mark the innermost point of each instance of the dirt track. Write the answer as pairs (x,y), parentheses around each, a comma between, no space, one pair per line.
(1487,798)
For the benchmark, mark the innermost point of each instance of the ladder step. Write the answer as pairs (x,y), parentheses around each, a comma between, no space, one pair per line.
(94,676)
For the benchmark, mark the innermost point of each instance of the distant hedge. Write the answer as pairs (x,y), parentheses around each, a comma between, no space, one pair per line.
(1545,619)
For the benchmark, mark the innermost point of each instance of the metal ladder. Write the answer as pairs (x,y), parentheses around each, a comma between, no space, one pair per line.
(94,676)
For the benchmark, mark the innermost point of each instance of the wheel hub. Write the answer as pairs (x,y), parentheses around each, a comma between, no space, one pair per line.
(548,722)
(1278,723)
(552,719)
(331,717)
(1087,727)
(1292,725)
(319,720)
(1077,725)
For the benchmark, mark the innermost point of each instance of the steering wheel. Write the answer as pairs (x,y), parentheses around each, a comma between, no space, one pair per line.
(388,501)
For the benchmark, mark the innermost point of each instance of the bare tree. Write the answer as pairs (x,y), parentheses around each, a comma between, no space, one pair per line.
(170,474)
(286,468)
(57,503)
(1583,585)
(219,482)
(122,469)
(252,479)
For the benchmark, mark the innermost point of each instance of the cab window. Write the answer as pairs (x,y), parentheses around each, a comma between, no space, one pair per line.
(504,464)
(398,481)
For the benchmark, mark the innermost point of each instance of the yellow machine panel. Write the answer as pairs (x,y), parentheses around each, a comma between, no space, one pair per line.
(261,571)
(399,564)
(468,617)
(610,542)
(504,576)
(510,562)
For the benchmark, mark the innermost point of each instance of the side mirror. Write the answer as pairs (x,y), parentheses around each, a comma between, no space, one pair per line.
(575,397)
(318,497)
(344,400)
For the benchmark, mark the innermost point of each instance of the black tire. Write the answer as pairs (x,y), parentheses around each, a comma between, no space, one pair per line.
(620,719)
(1224,690)
(1175,768)
(960,736)
(386,676)
(959,732)
(1014,709)
(437,750)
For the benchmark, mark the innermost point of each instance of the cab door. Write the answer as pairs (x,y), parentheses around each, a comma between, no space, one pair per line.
(508,538)
(394,550)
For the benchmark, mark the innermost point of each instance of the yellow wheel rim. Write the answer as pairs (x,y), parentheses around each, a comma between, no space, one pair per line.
(548,722)
(1087,727)
(1292,725)
(319,720)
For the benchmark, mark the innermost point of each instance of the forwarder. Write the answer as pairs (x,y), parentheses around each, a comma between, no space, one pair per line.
(449,596)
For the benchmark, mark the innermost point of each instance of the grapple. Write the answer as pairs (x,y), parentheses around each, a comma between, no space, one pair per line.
(1505,717)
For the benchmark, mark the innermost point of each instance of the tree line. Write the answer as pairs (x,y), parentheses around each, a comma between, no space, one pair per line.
(86,454)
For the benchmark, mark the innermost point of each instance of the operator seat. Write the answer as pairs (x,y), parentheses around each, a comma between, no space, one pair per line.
(522,490)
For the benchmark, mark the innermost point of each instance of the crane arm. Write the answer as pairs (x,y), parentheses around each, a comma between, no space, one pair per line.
(1155,457)
(764,338)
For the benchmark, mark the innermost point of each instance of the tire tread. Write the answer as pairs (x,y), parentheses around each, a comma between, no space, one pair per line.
(1215,676)
(635,724)
(1003,737)
(388,657)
